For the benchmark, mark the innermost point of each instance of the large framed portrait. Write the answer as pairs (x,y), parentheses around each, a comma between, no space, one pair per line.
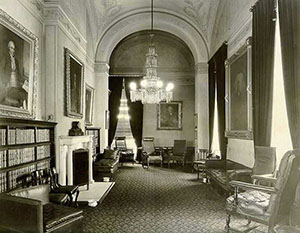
(238,93)
(74,72)
(169,115)
(89,104)
(18,69)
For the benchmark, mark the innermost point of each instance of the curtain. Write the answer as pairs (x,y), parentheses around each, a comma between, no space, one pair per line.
(216,69)
(220,80)
(211,103)
(135,112)
(289,19)
(115,86)
(262,71)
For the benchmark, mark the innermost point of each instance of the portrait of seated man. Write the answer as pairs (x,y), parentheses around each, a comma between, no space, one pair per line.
(169,115)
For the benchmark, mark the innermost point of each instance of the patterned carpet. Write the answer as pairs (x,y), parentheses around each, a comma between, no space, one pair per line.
(157,200)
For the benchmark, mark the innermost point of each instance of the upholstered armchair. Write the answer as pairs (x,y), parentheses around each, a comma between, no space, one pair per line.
(290,223)
(263,204)
(177,154)
(149,154)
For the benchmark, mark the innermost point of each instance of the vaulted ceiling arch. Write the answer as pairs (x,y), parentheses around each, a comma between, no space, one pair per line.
(163,20)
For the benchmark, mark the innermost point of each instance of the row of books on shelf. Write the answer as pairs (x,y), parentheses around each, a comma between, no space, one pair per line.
(20,136)
(43,135)
(3,159)
(13,175)
(3,181)
(2,137)
(43,165)
(23,136)
(19,156)
(43,152)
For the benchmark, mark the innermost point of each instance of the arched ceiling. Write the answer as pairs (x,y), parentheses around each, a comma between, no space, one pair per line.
(200,14)
(175,60)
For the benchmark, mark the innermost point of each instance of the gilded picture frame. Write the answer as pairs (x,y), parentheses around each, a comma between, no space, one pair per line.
(238,96)
(169,115)
(89,104)
(74,76)
(19,50)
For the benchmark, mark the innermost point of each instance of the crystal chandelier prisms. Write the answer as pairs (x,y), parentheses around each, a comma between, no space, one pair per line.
(151,91)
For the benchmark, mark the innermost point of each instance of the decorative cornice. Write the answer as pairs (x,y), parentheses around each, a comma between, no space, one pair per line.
(102,67)
(54,13)
(36,8)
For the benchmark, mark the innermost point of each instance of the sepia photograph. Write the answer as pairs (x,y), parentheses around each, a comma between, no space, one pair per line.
(150,116)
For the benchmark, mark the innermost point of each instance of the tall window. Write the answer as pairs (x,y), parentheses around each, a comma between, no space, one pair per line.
(215,146)
(281,138)
(123,125)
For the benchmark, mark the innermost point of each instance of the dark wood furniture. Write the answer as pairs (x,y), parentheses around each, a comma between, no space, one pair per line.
(25,146)
(94,131)
(126,154)
(221,171)
(31,210)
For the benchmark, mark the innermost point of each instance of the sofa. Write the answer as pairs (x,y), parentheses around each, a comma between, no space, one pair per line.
(30,210)
(106,164)
(221,172)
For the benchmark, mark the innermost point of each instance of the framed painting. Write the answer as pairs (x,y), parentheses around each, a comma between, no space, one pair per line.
(74,74)
(89,104)
(169,115)
(18,69)
(238,94)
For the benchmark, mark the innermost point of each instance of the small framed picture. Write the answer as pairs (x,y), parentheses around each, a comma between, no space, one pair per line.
(89,104)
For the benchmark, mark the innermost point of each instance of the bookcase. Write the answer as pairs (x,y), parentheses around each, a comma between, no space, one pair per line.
(25,146)
(95,131)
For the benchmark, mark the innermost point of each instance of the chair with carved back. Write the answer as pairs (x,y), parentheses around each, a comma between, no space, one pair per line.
(263,204)
(178,152)
(149,154)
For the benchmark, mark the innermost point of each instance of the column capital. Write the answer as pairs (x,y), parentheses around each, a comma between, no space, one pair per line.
(201,68)
(102,67)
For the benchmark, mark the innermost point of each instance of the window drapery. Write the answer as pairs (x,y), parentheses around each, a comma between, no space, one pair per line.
(289,19)
(115,86)
(263,41)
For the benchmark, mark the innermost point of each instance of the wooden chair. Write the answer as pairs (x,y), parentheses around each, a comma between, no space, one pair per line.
(200,161)
(177,154)
(149,154)
(70,190)
(264,204)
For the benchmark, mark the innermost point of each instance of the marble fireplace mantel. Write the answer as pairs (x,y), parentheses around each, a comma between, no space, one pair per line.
(67,145)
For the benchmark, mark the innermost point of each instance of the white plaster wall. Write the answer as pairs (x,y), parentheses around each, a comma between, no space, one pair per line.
(186,94)
(28,17)
(241,151)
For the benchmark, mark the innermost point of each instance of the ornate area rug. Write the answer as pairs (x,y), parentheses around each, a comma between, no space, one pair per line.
(157,200)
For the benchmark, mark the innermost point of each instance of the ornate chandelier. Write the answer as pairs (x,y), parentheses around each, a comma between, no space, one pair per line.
(151,91)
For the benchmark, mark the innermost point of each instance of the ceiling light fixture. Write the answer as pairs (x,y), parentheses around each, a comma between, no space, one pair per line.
(151,91)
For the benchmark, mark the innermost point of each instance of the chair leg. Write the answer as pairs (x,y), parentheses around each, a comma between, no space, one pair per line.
(76,198)
(227,227)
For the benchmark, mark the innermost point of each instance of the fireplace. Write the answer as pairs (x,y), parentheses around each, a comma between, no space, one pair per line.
(68,144)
